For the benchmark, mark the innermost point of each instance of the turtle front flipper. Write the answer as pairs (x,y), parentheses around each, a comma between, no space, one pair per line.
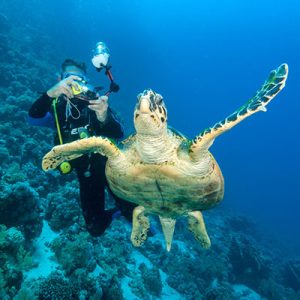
(272,86)
(197,227)
(70,151)
(140,226)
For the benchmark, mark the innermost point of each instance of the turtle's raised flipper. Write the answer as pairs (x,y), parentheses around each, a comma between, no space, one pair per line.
(272,86)
(197,227)
(70,151)
(140,226)
(168,226)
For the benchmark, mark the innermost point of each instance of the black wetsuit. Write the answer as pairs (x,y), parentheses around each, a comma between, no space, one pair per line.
(90,168)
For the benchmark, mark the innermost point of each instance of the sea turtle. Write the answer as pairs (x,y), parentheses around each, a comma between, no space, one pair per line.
(162,171)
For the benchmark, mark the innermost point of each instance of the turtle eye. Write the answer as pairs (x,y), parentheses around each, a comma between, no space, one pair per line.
(152,97)
(158,99)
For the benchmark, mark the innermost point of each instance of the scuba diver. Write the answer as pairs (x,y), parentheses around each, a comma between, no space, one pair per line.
(76,110)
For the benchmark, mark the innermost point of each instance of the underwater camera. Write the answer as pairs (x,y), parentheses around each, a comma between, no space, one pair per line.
(84,91)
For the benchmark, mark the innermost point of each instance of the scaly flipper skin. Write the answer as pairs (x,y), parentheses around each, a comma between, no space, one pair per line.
(78,148)
(140,226)
(272,86)
(197,227)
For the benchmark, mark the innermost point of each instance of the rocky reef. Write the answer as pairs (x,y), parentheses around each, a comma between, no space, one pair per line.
(45,251)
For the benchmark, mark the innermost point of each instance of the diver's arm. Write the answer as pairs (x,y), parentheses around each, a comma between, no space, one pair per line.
(39,113)
(113,126)
(107,123)
(110,127)
(40,107)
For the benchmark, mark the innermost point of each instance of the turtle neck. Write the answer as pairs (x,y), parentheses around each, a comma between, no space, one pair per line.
(155,148)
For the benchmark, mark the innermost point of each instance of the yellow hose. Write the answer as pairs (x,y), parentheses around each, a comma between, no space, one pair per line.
(56,121)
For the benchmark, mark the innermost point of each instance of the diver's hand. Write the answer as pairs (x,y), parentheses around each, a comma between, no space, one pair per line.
(100,106)
(64,87)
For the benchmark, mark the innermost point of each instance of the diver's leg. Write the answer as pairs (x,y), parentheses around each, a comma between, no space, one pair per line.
(91,176)
(125,206)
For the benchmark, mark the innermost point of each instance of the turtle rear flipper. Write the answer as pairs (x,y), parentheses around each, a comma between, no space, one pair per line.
(70,151)
(272,86)
(140,226)
(197,227)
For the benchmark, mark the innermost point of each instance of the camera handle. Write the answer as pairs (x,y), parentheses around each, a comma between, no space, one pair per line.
(114,87)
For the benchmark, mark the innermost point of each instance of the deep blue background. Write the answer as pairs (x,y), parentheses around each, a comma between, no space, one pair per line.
(206,58)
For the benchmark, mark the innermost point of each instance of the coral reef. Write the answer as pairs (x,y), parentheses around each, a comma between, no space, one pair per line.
(219,292)
(16,201)
(113,290)
(242,224)
(112,252)
(291,276)
(151,279)
(23,189)
(14,260)
(271,289)
(74,252)
(146,283)
(62,209)
(56,287)
(248,263)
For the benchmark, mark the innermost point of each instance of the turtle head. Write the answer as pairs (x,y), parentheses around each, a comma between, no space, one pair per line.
(150,114)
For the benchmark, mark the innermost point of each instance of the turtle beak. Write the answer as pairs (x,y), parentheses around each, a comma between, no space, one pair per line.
(144,105)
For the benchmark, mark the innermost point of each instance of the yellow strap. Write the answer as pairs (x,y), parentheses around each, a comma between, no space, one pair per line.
(56,121)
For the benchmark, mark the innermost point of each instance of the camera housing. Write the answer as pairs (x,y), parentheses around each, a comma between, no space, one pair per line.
(84,91)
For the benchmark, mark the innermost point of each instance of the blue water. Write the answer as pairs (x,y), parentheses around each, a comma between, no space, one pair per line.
(206,58)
